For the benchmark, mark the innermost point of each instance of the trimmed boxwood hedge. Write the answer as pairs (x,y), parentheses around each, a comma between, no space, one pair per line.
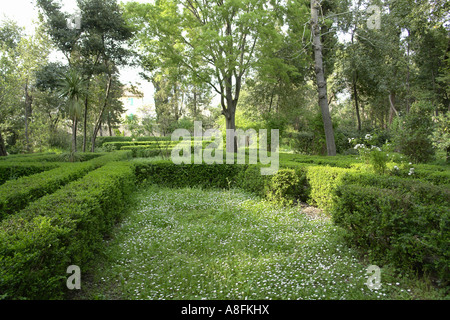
(51,157)
(101,140)
(13,170)
(187,175)
(61,229)
(16,194)
(397,227)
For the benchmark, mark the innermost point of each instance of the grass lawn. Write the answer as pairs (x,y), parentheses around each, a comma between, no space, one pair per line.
(227,244)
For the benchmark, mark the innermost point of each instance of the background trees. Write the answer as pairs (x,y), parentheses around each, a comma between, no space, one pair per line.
(234,64)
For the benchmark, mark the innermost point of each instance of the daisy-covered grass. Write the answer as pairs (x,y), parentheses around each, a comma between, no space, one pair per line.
(228,244)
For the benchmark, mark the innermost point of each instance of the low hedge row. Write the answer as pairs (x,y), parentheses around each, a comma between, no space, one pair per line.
(397,227)
(118,145)
(186,175)
(65,228)
(12,170)
(52,157)
(101,140)
(16,194)
(398,220)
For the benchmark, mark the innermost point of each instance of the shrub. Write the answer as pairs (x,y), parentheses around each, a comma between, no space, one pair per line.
(61,229)
(187,175)
(287,187)
(396,227)
(302,142)
(14,170)
(16,194)
(323,181)
(101,140)
(412,136)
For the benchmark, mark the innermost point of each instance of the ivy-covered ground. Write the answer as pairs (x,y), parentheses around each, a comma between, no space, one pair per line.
(227,244)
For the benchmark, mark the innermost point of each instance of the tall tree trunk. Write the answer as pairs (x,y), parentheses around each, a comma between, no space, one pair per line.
(355,96)
(109,125)
(194,111)
(74,134)
(2,146)
(99,121)
(407,75)
(230,121)
(392,108)
(86,103)
(321,82)
(28,103)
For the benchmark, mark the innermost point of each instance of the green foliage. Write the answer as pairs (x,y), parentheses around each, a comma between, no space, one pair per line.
(14,170)
(412,134)
(287,187)
(64,228)
(397,226)
(16,194)
(323,181)
(186,175)
(441,134)
(302,142)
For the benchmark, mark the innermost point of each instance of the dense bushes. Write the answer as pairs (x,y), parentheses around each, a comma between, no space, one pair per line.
(187,175)
(397,226)
(412,134)
(404,220)
(11,170)
(16,194)
(61,229)
(51,157)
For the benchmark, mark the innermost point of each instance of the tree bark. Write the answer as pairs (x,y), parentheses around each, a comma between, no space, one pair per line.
(86,102)
(74,134)
(99,121)
(28,103)
(2,146)
(230,121)
(355,96)
(392,109)
(320,78)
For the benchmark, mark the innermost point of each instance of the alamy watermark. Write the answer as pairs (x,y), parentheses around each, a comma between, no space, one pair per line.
(74,281)
(213,152)
(374,21)
(74,21)
(374,279)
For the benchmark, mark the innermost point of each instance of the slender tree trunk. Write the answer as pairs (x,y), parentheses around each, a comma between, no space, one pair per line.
(2,146)
(74,134)
(86,103)
(28,103)
(109,125)
(321,82)
(355,96)
(99,121)
(194,113)
(392,109)
(230,121)
(407,75)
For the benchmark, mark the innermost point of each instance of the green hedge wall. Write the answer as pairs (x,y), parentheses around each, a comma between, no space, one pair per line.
(39,157)
(16,194)
(61,229)
(187,175)
(12,170)
(398,227)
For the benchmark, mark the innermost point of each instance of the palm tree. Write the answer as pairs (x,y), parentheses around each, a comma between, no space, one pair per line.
(72,87)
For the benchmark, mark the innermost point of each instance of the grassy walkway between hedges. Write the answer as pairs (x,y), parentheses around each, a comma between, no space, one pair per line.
(214,244)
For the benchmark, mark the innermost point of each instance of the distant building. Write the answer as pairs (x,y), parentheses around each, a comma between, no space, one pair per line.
(132,102)
(135,106)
